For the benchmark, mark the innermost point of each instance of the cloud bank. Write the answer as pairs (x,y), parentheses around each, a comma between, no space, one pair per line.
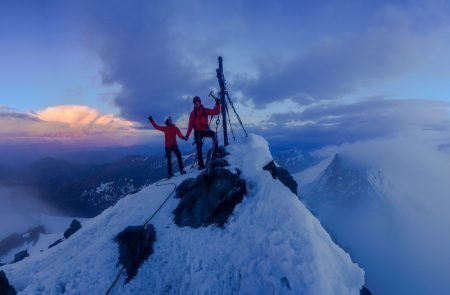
(68,124)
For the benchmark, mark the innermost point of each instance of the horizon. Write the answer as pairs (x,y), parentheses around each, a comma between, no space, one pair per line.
(77,76)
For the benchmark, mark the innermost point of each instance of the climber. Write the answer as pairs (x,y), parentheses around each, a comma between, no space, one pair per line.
(198,120)
(170,133)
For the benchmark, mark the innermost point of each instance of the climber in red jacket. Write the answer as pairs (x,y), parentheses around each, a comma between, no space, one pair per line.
(198,120)
(170,140)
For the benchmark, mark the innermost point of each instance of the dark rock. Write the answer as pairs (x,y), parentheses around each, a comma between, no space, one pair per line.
(365,291)
(34,233)
(285,283)
(221,153)
(283,175)
(74,227)
(211,200)
(16,240)
(135,246)
(21,256)
(185,186)
(55,243)
(219,162)
(5,287)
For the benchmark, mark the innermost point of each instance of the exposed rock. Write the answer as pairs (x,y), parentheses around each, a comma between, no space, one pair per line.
(283,175)
(21,256)
(55,243)
(219,163)
(210,199)
(185,186)
(135,246)
(286,283)
(16,240)
(74,227)
(34,233)
(365,291)
(5,287)
(221,153)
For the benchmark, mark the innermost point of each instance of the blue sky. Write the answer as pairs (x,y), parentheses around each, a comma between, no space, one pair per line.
(117,61)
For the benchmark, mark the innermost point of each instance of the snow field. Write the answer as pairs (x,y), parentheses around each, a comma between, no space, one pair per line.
(271,245)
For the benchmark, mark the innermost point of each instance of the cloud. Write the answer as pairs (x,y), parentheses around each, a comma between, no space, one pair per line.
(67,124)
(83,117)
(406,220)
(315,55)
(20,207)
(334,123)
(141,53)
(337,66)
(162,54)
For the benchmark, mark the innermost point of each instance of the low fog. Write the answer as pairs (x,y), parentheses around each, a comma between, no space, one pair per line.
(401,239)
(19,209)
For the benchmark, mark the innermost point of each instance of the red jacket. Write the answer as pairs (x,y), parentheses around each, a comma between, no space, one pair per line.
(170,133)
(199,118)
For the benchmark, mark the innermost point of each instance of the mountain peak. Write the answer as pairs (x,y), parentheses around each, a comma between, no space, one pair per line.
(269,244)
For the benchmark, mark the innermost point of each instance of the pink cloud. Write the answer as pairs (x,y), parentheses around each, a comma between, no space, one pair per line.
(68,124)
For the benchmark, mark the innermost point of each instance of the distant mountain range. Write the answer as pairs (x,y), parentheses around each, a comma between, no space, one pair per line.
(295,159)
(86,189)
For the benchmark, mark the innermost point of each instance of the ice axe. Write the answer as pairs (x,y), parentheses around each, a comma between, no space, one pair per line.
(211,94)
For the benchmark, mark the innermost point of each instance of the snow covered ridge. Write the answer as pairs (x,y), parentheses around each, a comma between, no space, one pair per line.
(271,244)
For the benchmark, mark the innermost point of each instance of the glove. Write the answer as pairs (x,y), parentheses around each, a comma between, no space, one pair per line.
(150,118)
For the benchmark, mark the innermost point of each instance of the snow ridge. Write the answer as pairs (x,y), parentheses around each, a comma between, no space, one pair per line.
(271,245)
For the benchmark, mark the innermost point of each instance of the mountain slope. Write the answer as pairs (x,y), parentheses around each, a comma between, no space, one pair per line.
(390,213)
(271,244)
(86,190)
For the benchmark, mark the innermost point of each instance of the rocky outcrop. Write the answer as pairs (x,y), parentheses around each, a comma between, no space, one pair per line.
(16,240)
(283,175)
(5,287)
(365,291)
(135,246)
(75,225)
(210,198)
(21,256)
(55,243)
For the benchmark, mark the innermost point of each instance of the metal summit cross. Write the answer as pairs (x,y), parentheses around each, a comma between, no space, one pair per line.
(224,107)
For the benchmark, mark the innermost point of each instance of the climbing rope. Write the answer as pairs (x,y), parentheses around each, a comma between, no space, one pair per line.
(144,225)
(235,112)
(229,122)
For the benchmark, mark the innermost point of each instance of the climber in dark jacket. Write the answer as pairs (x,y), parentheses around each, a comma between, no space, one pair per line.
(170,140)
(198,120)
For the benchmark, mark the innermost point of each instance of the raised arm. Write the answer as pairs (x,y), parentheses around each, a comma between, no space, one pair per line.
(156,126)
(214,111)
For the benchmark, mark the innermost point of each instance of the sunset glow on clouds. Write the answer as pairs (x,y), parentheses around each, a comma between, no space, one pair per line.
(79,117)
(298,72)
(68,124)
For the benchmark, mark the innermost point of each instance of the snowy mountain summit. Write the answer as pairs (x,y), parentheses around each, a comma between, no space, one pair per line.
(270,244)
